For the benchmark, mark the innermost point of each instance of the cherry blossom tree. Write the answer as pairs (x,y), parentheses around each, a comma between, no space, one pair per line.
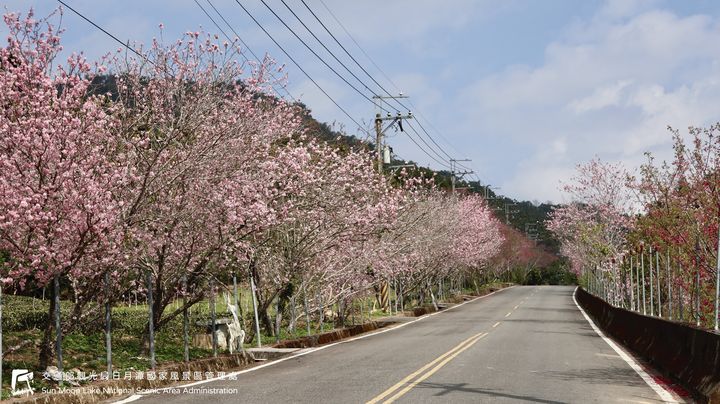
(61,168)
(333,204)
(682,204)
(670,225)
(438,237)
(593,229)
(518,255)
(204,136)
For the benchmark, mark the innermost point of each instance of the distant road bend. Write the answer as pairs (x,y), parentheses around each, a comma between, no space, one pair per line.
(523,344)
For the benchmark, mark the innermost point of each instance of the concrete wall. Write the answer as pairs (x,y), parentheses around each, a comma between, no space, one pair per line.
(689,354)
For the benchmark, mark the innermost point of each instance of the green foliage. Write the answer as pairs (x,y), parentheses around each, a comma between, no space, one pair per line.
(557,273)
(524,214)
(26,313)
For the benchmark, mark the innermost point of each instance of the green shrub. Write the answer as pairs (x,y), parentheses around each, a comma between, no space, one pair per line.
(26,313)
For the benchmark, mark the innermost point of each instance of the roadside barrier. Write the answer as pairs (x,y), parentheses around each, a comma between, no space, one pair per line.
(686,353)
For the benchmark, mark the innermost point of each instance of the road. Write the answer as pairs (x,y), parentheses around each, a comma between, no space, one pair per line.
(523,344)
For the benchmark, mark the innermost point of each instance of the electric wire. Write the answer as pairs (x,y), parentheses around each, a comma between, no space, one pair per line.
(334,56)
(450,161)
(308,47)
(422,128)
(318,56)
(107,33)
(300,67)
(216,25)
(331,68)
(382,72)
(345,50)
(224,33)
(358,46)
(239,38)
(442,162)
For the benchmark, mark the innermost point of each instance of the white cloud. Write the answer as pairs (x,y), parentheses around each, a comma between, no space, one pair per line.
(601,98)
(406,21)
(610,89)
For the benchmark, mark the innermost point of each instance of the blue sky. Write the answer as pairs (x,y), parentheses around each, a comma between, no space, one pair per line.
(525,88)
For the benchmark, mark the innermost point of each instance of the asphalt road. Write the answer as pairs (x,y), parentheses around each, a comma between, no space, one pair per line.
(523,344)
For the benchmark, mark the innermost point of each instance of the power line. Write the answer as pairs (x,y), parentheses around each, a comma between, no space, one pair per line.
(364,70)
(426,144)
(355,76)
(299,67)
(333,54)
(447,142)
(216,24)
(239,38)
(346,68)
(316,55)
(358,45)
(443,162)
(432,140)
(378,84)
(107,33)
(346,51)
(382,72)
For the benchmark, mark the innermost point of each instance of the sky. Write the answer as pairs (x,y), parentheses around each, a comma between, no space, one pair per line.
(526,89)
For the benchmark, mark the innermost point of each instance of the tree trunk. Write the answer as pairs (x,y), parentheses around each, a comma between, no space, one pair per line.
(340,318)
(293,318)
(159,304)
(47,346)
(265,320)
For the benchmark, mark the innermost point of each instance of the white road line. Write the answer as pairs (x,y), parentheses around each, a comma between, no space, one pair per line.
(665,395)
(509,313)
(496,324)
(136,397)
(608,356)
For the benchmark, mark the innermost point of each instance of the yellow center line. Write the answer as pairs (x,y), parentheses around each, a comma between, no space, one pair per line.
(496,324)
(424,368)
(432,371)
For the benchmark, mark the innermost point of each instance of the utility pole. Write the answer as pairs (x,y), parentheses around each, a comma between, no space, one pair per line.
(697,279)
(487,191)
(453,172)
(717,286)
(378,143)
(531,231)
(380,147)
(508,211)
(380,132)
(402,166)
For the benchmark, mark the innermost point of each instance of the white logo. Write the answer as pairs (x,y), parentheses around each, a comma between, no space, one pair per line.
(19,376)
